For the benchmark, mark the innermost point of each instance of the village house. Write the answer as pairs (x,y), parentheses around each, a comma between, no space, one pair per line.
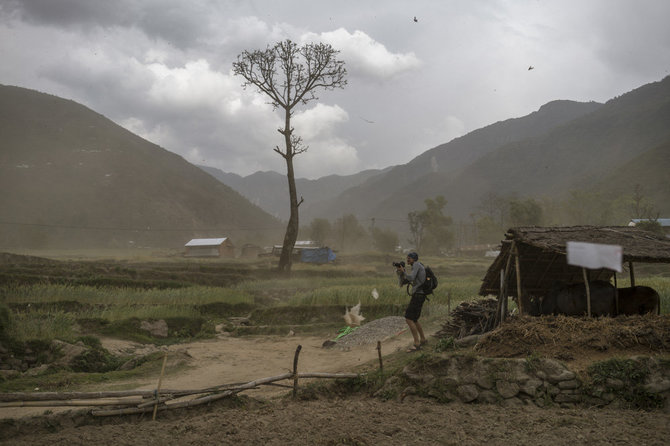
(210,247)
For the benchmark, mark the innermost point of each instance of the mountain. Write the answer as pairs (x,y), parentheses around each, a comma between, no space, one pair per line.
(604,148)
(269,190)
(579,154)
(71,177)
(387,196)
(650,170)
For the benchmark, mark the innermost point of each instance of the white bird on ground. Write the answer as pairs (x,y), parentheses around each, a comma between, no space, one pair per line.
(353,315)
(375,294)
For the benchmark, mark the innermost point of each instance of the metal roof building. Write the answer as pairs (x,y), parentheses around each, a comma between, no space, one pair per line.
(210,247)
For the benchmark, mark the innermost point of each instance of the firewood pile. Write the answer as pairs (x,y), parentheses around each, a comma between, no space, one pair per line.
(470,318)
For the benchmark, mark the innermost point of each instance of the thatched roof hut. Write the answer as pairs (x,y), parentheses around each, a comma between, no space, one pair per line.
(533,259)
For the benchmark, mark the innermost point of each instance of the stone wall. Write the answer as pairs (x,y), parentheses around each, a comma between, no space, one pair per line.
(539,381)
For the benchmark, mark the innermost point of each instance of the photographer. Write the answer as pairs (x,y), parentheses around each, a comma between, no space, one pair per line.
(416,276)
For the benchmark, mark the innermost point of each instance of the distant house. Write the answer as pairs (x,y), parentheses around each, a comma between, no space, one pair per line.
(297,248)
(317,255)
(308,251)
(210,247)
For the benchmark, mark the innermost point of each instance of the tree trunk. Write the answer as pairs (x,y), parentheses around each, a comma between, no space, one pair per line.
(291,235)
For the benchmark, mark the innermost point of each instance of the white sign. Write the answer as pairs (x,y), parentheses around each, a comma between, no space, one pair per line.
(594,255)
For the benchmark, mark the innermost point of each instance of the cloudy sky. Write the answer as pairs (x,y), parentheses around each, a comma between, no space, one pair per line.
(162,69)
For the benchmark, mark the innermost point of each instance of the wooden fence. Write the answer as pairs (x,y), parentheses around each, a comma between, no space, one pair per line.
(142,401)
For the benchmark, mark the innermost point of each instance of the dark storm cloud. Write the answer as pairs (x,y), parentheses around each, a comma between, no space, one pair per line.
(80,13)
(161,68)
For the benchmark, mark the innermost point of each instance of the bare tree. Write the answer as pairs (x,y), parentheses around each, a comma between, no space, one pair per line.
(290,75)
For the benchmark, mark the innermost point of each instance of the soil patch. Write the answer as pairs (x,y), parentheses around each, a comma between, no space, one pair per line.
(268,416)
(364,421)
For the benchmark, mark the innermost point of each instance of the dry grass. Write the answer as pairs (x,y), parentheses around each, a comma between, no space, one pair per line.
(575,339)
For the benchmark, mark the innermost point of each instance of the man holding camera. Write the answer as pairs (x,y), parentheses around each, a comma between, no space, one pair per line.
(415,277)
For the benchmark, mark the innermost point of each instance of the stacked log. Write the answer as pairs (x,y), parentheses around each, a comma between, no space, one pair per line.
(469,318)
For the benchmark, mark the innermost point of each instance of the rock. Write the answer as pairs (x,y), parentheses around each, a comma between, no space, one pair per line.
(467,393)
(512,402)
(530,387)
(157,329)
(487,397)
(411,390)
(485,382)
(417,377)
(37,370)
(553,371)
(571,384)
(567,398)
(657,386)
(68,352)
(507,389)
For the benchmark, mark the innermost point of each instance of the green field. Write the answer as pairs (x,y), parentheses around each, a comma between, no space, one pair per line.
(66,299)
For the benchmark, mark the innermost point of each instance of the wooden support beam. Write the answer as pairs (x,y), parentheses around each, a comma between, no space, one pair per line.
(588,292)
(616,295)
(517,264)
(379,352)
(295,371)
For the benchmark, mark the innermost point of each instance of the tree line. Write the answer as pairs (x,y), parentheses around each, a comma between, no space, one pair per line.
(433,232)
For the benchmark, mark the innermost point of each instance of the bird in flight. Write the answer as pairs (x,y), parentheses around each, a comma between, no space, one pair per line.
(531,68)
(415,19)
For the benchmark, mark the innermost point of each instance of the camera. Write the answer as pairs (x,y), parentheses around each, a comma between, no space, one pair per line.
(399,264)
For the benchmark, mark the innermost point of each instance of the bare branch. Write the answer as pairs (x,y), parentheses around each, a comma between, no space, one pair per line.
(290,75)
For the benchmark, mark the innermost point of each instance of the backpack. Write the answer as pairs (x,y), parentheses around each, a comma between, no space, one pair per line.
(430,283)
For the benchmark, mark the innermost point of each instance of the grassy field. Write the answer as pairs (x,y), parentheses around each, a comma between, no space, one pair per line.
(110,296)
(80,299)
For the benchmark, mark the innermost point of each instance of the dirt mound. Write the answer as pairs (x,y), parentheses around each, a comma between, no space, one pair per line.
(574,339)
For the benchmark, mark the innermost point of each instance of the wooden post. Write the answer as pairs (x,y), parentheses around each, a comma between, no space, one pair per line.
(588,292)
(504,291)
(158,387)
(517,265)
(616,295)
(379,353)
(501,296)
(632,274)
(295,371)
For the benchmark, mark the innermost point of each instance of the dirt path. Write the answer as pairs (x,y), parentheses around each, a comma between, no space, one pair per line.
(232,360)
(227,360)
(357,420)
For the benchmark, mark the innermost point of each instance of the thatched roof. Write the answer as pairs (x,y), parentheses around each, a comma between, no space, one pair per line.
(542,255)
